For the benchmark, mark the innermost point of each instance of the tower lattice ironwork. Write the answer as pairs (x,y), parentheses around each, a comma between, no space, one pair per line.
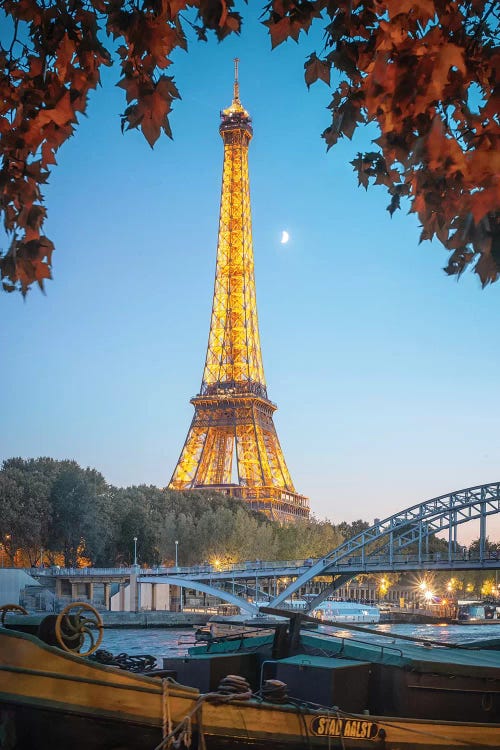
(232,433)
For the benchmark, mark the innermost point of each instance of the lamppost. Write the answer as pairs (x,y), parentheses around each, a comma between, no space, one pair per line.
(4,548)
(135,550)
(176,553)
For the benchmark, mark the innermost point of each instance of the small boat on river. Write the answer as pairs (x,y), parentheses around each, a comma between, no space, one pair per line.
(227,625)
(344,612)
(372,696)
(471,612)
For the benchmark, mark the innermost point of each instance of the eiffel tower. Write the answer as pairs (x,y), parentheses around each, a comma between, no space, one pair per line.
(232,433)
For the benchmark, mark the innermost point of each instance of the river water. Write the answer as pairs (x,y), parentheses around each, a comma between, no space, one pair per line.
(161,642)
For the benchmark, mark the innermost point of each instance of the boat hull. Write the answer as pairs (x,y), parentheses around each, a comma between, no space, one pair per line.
(51,700)
(26,727)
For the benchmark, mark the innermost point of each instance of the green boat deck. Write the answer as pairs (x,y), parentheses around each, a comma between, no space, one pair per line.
(419,657)
(414,656)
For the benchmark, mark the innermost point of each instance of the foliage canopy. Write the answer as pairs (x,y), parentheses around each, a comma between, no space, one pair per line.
(71,516)
(426,72)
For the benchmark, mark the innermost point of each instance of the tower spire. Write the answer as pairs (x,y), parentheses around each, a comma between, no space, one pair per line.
(236,87)
(236,107)
(233,420)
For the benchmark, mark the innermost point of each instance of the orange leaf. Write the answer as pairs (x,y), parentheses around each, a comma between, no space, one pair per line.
(64,55)
(280,31)
(449,56)
(316,69)
(61,114)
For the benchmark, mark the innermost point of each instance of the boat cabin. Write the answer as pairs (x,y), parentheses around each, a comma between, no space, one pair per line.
(476,611)
(339,611)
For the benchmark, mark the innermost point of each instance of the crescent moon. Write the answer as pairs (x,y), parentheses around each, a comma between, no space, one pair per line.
(284,237)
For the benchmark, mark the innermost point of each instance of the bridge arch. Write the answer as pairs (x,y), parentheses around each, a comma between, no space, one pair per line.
(188,583)
(411,525)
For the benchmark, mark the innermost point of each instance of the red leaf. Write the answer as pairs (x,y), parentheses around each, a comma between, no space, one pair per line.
(316,69)
(280,30)
(61,114)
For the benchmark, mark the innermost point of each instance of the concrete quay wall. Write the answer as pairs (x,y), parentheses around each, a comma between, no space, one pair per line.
(152,619)
(403,618)
(161,619)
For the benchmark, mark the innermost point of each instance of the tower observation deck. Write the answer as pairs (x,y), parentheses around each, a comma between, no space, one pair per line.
(232,446)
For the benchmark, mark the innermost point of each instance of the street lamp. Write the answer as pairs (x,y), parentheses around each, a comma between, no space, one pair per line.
(135,550)
(6,538)
(176,553)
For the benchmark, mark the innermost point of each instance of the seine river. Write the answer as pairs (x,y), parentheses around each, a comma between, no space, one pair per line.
(161,642)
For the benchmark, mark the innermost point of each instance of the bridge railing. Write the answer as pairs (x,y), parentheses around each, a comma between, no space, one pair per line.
(55,570)
(250,565)
(401,558)
(261,567)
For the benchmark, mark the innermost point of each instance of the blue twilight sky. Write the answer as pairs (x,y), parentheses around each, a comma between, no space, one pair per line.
(385,371)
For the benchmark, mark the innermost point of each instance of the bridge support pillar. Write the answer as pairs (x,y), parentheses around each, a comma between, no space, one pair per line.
(121,597)
(135,593)
(107,595)
(74,590)
(90,591)
(153,596)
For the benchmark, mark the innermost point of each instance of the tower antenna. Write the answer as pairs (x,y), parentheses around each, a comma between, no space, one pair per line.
(236,89)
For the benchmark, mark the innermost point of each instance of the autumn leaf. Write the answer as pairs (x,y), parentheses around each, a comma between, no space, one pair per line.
(449,56)
(279,31)
(423,10)
(423,74)
(65,53)
(316,69)
(231,25)
(61,114)
(175,6)
(151,112)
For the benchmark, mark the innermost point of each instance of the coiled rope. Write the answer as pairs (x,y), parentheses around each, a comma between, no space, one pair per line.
(136,663)
(274,691)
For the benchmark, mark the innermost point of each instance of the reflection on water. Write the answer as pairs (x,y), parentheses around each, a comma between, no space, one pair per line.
(155,641)
(175,641)
(428,631)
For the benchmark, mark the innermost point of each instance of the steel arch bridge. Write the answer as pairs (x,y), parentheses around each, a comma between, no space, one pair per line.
(397,543)
(395,534)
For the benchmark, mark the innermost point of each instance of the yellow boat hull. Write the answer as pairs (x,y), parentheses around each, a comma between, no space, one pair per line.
(51,700)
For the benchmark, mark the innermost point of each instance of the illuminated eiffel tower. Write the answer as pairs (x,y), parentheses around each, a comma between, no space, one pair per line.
(232,433)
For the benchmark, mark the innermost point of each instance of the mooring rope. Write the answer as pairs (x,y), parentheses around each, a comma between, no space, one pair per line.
(235,688)
(131,663)
(230,689)
(166,713)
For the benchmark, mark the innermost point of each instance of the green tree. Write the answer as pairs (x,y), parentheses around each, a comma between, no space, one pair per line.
(76,523)
(54,506)
(490,548)
(25,509)
(137,512)
(348,530)
(252,537)
(305,539)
